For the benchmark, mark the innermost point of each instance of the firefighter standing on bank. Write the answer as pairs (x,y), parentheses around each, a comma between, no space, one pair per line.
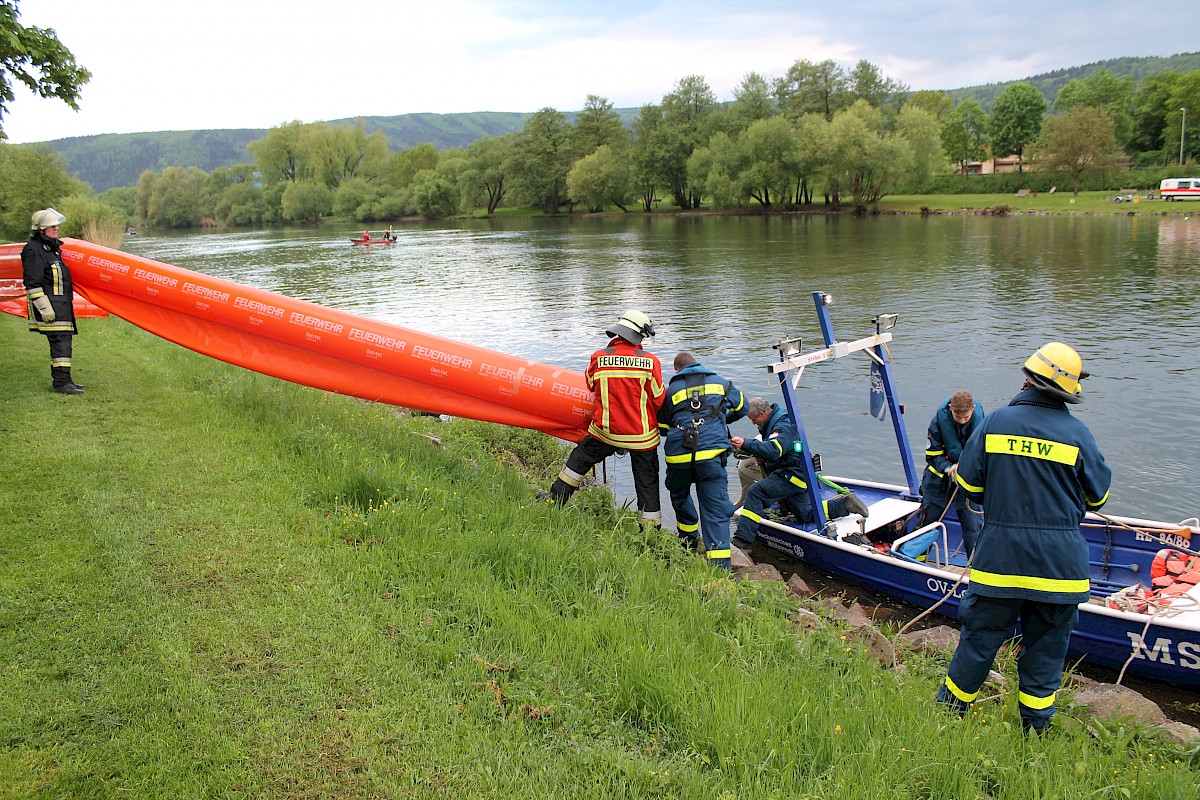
(1037,471)
(49,293)
(699,405)
(628,387)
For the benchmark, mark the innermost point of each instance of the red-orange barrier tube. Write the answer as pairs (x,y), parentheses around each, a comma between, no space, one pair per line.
(12,287)
(327,349)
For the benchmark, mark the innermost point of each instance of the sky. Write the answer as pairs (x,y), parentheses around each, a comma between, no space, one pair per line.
(160,66)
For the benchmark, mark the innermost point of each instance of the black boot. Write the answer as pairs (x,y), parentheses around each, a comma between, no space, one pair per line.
(61,376)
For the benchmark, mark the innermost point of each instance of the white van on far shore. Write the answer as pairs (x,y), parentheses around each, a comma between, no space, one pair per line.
(1179,188)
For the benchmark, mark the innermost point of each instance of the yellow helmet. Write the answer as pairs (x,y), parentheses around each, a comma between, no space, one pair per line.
(632,326)
(1056,368)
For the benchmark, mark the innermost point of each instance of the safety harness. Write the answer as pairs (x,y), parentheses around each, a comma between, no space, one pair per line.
(691,431)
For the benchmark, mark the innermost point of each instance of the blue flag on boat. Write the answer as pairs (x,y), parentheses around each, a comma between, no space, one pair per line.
(878,398)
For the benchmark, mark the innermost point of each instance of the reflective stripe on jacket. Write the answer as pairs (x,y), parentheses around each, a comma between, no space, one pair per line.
(1037,471)
(719,403)
(45,275)
(628,385)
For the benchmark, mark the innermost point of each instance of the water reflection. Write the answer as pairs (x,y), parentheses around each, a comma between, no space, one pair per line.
(976,295)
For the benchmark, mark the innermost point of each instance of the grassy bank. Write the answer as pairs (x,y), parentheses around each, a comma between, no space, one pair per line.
(214,584)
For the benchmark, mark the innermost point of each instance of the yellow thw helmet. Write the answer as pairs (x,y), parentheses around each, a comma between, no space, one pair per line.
(1056,368)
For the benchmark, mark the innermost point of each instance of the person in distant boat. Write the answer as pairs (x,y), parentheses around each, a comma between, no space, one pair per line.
(953,423)
(366,236)
(1037,471)
(692,421)
(779,451)
(628,386)
(48,289)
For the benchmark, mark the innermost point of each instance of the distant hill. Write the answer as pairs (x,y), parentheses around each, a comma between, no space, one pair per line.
(117,159)
(1048,83)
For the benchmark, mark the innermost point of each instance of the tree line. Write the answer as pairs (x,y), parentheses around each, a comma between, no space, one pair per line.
(819,134)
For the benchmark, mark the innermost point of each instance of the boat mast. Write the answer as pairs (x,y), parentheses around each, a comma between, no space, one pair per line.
(790,368)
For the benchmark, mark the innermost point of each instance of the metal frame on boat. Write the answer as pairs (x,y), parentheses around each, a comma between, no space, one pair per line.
(1162,644)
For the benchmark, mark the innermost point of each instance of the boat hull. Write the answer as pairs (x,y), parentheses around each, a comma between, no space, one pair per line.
(1167,650)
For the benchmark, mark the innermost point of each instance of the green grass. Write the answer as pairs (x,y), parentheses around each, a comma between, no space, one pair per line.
(214,584)
(1060,202)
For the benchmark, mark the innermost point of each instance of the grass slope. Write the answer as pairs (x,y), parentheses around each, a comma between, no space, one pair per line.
(214,584)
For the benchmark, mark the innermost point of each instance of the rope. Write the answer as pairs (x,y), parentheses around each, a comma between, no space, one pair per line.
(1154,533)
(1170,605)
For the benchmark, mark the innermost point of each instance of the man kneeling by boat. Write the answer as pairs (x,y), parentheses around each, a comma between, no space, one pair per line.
(780,454)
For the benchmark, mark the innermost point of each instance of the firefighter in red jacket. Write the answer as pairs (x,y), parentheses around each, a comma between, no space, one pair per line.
(628,386)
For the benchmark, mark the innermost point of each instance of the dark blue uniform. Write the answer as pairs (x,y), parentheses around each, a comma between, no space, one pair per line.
(693,419)
(45,275)
(779,451)
(1037,471)
(943,449)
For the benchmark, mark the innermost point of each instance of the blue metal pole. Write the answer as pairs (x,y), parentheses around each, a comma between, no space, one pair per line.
(889,389)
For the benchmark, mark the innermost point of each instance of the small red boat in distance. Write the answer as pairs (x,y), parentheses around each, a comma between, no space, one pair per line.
(384,237)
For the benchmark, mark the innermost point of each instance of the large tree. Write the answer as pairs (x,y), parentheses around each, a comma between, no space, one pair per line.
(597,125)
(809,88)
(36,58)
(1104,90)
(600,178)
(689,120)
(1079,140)
(964,134)
(541,159)
(486,173)
(1017,117)
(31,177)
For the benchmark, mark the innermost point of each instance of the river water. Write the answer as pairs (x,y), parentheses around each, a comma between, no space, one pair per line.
(975,295)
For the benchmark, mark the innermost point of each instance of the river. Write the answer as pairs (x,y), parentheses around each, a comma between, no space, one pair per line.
(976,295)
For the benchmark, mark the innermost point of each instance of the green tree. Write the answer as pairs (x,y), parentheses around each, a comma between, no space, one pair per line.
(1104,90)
(689,119)
(335,153)
(752,101)
(434,195)
(1079,140)
(922,133)
(600,178)
(177,198)
(353,198)
(36,58)
(597,125)
(867,82)
(648,155)
(280,154)
(1017,117)
(241,204)
(1185,94)
(718,171)
(809,88)
(772,161)
(404,166)
(936,102)
(31,177)
(541,158)
(485,175)
(1152,102)
(964,134)
(306,201)
(865,159)
(813,153)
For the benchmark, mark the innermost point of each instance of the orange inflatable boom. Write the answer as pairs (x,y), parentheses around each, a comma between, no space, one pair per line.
(316,346)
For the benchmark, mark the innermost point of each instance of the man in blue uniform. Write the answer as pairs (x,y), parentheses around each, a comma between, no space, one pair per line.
(955,421)
(779,451)
(693,419)
(1037,471)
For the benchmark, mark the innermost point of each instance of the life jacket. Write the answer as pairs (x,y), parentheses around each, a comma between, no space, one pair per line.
(1173,572)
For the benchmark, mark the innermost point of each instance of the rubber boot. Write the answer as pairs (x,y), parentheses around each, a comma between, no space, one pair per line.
(61,377)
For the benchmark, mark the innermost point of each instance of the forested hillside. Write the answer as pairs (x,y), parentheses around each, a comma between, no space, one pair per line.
(1048,83)
(111,160)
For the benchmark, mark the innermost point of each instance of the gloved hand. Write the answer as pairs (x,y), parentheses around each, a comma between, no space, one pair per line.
(44,309)
(952,472)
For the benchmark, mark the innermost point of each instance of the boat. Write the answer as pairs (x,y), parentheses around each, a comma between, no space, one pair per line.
(1125,626)
(385,237)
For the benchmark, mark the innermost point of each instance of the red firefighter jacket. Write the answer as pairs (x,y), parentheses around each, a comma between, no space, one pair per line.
(628,384)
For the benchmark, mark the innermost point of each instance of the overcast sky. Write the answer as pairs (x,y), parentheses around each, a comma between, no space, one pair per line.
(163,65)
